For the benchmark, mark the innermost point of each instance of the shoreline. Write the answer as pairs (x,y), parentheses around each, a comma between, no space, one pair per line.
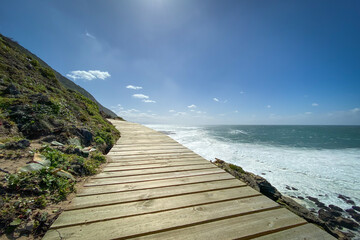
(333,219)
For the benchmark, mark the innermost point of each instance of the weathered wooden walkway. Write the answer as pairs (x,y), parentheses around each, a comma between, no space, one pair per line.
(154,188)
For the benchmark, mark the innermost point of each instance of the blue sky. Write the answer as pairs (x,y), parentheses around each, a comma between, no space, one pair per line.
(202,61)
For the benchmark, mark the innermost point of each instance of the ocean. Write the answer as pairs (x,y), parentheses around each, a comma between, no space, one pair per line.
(300,161)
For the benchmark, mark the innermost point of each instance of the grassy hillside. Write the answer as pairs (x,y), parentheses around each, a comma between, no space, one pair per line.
(51,137)
(66,82)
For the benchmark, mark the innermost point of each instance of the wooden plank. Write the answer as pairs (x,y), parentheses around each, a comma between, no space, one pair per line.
(98,190)
(103,213)
(167,164)
(153,157)
(152,193)
(307,231)
(151,177)
(137,172)
(143,224)
(242,227)
(143,152)
(128,148)
(158,156)
(170,161)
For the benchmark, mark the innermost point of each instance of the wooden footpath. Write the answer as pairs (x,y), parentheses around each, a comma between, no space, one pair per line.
(155,188)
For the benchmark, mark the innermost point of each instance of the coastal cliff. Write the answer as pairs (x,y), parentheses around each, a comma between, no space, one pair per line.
(52,135)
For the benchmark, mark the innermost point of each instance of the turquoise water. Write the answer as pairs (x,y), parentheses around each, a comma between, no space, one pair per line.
(319,161)
(313,137)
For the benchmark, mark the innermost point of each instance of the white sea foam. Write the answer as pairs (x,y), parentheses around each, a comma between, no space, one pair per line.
(318,173)
(237,131)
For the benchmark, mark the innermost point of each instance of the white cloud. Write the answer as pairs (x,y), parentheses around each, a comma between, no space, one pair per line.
(236,111)
(268,106)
(99,74)
(355,110)
(308,113)
(180,114)
(89,35)
(215,99)
(133,87)
(141,96)
(172,111)
(88,75)
(192,110)
(315,104)
(242,92)
(148,101)
(192,106)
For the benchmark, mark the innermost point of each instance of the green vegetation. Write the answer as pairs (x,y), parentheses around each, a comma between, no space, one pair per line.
(36,108)
(236,168)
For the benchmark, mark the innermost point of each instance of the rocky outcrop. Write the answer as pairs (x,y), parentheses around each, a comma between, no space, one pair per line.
(329,217)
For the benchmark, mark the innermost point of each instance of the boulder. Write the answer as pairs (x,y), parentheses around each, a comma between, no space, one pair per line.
(87,136)
(347,223)
(357,208)
(335,208)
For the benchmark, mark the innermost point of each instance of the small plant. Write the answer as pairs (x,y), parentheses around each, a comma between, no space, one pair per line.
(236,168)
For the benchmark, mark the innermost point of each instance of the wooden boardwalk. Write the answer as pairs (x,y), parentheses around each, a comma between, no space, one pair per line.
(155,188)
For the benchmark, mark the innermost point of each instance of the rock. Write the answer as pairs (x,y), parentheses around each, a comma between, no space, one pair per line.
(300,197)
(334,213)
(350,202)
(38,158)
(87,136)
(32,167)
(22,144)
(288,187)
(355,215)
(357,208)
(343,197)
(317,202)
(325,215)
(295,189)
(75,142)
(312,199)
(12,90)
(56,143)
(336,208)
(347,223)
(62,173)
(29,226)
(49,138)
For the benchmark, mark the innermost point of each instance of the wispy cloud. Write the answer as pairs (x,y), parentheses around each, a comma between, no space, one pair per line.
(148,101)
(133,87)
(90,35)
(355,110)
(192,106)
(88,75)
(315,104)
(242,92)
(268,106)
(141,96)
(180,114)
(144,98)
(172,111)
(215,99)
(308,113)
